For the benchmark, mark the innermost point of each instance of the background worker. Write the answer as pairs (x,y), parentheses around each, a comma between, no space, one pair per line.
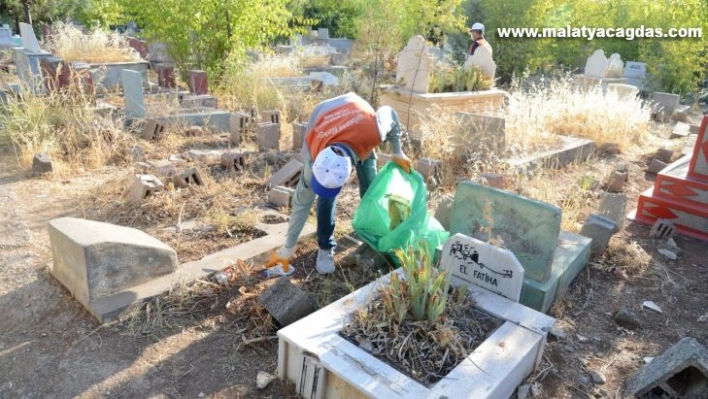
(341,134)
(477,35)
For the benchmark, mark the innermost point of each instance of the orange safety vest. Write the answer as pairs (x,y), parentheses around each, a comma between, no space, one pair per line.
(352,124)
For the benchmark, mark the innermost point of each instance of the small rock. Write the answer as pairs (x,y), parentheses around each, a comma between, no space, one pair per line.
(201,394)
(597,377)
(667,253)
(651,305)
(271,159)
(703,318)
(583,361)
(523,391)
(664,155)
(263,379)
(42,163)
(583,380)
(535,391)
(569,348)
(583,339)
(648,359)
(627,319)
(610,148)
(557,332)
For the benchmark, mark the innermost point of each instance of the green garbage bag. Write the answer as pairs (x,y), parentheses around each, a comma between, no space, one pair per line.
(393,213)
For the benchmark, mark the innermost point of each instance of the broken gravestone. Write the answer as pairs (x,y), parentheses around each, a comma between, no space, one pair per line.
(286,302)
(470,261)
(600,229)
(95,260)
(681,371)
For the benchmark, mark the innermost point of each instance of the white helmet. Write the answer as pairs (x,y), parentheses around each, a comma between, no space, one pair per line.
(477,26)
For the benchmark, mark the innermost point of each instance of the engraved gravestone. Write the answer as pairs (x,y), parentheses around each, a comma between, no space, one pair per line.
(471,261)
(596,65)
(29,40)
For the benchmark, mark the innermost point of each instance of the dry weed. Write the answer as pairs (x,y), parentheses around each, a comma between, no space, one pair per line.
(70,44)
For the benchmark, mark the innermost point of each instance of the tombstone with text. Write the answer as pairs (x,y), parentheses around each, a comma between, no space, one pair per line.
(471,261)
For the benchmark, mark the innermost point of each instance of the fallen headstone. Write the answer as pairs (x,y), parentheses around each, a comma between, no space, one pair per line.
(656,166)
(681,371)
(667,102)
(681,130)
(664,155)
(681,113)
(600,229)
(286,302)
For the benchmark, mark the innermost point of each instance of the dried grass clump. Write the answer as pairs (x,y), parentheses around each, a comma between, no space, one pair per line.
(625,256)
(71,44)
(558,106)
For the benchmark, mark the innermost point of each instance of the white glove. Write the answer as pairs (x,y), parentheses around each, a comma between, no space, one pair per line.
(285,252)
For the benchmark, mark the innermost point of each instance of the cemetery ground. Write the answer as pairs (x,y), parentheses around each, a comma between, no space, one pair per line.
(194,342)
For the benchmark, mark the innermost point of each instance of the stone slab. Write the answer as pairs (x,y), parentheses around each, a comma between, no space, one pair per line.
(29,39)
(600,229)
(299,132)
(286,302)
(443,213)
(287,176)
(574,150)
(666,101)
(614,207)
(681,371)
(132,83)
(681,130)
(214,120)
(570,257)
(108,74)
(486,134)
(471,261)
(255,251)
(28,67)
(280,196)
(95,260)
(527,227)
(202,100)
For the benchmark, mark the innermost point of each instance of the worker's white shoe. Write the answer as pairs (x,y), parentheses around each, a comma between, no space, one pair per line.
(325,261)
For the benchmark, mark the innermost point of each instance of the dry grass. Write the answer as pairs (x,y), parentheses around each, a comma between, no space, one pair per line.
(71,44)
(558,106)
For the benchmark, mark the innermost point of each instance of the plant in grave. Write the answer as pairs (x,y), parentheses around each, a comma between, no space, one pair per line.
(417,323)
(448,78)
(71,44)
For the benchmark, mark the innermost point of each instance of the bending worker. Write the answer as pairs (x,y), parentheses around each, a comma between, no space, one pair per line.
(341,134)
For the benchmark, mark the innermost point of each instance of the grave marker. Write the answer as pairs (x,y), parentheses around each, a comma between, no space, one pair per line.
(29,39)
(596,65)
(132,82)
(414,66)
(471,261)
(198,83)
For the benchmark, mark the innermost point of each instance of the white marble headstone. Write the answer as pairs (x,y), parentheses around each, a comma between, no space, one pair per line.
(615,66)
(471,261)
(414,66)
(483,59)
(29,40)
(5,37)
(596,65)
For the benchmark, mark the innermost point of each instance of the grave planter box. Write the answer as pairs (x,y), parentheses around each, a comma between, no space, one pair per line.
(413,107)
(107,74)
(28,67)
(322,364)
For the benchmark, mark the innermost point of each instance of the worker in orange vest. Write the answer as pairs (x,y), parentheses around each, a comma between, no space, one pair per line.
(477,35)
(341,134)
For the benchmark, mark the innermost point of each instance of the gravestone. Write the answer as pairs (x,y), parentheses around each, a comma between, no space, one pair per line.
(482,58)
(481,133)
(5,37)
(198,83)
(667,101)
(530,229)
(29,39)
(414,66)
(615,66)
(470,261)
(527,227)
(635,72)
(623,91)
(323,33)
(596,65)
(613,206)
(132,82)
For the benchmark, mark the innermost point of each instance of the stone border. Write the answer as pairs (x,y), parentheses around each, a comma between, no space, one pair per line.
(256,251)
(322,364)
(574,150)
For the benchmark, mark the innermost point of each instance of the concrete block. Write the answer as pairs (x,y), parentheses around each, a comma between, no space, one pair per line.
(268,136)
(239,124)
(194,131)
(187,177)
(144,186)
(198,82)
(664,155)
(95,260)
(680,131)
(382,159)
(288,176)
(656,166)
(681,113)
(600,229)
(198,101)
(152,130)
(443,213)
(272,116)
(280,196)
(429,168)
(569,259)
(286,302)
(667,102)
(41,163)
(527,227)
(662,229)
(681,371)
(613,207)
(299,131)
(616,182)
(233,161)
(494,180)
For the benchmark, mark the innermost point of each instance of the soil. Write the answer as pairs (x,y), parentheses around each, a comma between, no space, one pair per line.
(51,347)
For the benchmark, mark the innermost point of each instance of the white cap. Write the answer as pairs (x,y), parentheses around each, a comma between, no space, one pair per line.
(477,26)
(330,171)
